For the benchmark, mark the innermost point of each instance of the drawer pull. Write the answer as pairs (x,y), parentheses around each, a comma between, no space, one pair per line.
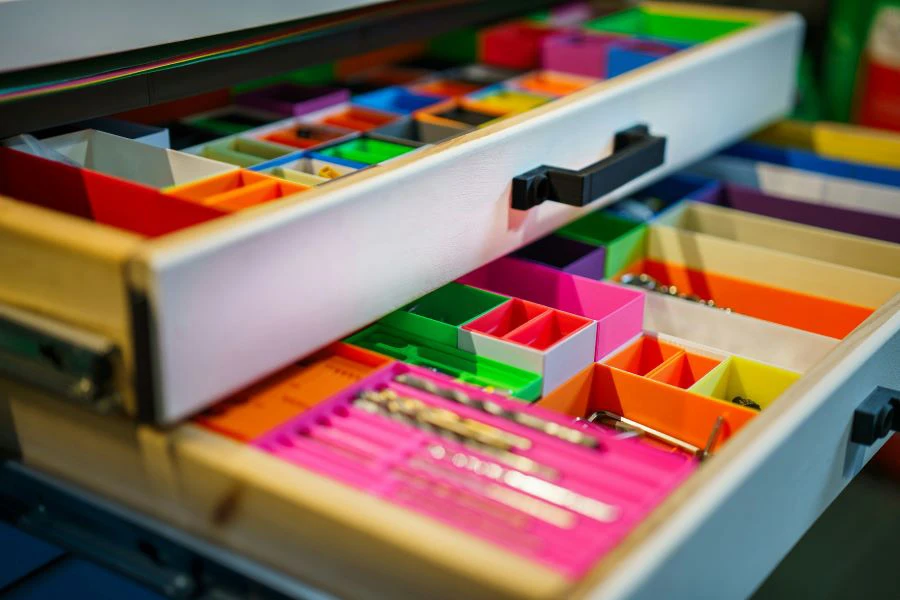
(635,152)
(876,417)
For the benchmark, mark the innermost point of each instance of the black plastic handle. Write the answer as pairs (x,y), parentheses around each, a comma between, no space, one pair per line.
(635,152)
(876,417)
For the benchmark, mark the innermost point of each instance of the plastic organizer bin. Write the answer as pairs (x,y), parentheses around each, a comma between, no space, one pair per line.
(349,116)
(505,100)
(816,314)
(304,135)
(366,150)
(664,23)
(439,315)
(232,120)
(623,240)
(397,100)
(597,497)
(293,100)
(449,360)
(550,83)
(566,255)
(852,251)
(263,406)
(751,380)
(513,45)
(552,343)
(642,356)
(682,414)
(236,191)
(446,88)
(416,131)
(243,152)
(836,218)
(619,311)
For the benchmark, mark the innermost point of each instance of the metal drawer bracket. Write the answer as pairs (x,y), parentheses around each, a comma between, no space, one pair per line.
(876,417)
(56,357)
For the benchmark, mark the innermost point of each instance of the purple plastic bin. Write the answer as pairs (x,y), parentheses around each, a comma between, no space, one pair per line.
(293,100)
(566,255)
(577,53)
(619,311)
(881,227)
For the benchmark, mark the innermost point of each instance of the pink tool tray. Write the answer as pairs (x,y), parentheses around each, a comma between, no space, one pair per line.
(561,503)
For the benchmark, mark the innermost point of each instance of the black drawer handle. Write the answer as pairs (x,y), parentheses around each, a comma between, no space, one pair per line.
(876,417)
(635,152)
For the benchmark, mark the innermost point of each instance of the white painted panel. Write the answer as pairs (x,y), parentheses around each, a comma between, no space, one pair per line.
(251,295)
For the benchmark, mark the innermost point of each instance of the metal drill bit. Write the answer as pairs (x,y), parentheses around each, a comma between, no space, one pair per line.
(454,432)
(567,434)
(648,431)
(550,492)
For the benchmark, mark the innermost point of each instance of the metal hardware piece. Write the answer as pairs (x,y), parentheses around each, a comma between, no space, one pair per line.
(623,423)
(551,428)
(635,152)
(58,358)
(876,417)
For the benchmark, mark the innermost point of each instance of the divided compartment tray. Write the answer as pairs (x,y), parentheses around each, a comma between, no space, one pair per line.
(271,256)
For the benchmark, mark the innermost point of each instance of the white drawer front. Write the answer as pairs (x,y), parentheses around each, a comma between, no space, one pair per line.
(234,300)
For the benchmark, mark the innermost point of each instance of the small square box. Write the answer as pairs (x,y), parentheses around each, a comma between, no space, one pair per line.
(504,99)
(567,255)
(308,169)
(365,149)
(536,338)
(349,116)
(236,191)
(441,313)
(619,311)
(293,100)
(679,413)
(624,241)
(416,131)
(513,45)
(550,83)
(396,100)
(232,120)
(243,151)
(751,380)
(643,355)
(303,135)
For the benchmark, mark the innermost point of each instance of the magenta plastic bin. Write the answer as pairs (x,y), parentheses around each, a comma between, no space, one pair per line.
(619,311)
(578,53)
(857,222)
(414,468)
(293,100)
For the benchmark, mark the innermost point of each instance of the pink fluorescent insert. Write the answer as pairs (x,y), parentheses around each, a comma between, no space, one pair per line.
(559,503)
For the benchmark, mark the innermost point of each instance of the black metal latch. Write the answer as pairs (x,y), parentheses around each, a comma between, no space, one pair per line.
(635,152)
(876,417)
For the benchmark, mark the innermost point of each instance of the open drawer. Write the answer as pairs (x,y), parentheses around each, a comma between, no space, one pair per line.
(199,313)
(755,497)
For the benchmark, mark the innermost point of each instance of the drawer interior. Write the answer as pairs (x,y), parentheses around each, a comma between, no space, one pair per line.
(693,342)
(246,197)
(504,406)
